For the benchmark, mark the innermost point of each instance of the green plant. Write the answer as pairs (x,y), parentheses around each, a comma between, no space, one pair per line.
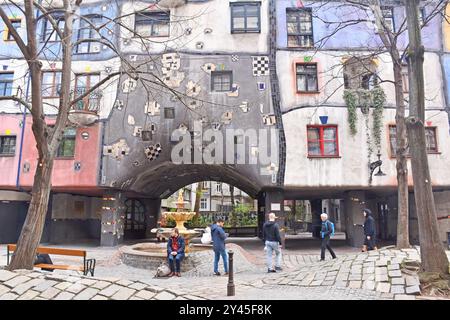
(170,222)
(378,100)
(351,102)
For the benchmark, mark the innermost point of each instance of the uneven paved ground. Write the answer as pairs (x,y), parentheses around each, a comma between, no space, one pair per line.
(353,276)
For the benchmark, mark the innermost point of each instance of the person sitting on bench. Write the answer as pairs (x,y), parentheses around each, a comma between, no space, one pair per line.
(43,259)
(175,252)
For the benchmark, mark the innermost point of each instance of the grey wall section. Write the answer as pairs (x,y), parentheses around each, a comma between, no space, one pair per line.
(132,170)
(12,218)
(67,231)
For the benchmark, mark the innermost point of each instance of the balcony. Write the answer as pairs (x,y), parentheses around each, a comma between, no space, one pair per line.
(85,111)
(171,3)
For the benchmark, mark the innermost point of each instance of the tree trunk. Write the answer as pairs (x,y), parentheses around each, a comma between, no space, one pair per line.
(32,230)
(402,165)
(198,195)
(432,250)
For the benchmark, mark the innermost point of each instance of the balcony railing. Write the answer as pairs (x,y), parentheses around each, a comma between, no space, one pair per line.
(90,103)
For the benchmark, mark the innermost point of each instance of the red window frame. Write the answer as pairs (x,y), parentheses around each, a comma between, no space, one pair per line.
(322,141)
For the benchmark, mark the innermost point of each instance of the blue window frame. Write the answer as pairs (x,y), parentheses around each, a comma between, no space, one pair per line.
(245,17)
(6,83)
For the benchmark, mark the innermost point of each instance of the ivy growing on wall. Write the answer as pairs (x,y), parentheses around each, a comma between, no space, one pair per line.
(378,100)
(351,102)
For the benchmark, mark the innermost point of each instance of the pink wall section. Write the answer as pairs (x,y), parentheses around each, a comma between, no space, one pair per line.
(87,152)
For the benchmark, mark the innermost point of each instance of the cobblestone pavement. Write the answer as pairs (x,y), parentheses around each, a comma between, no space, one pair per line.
(353,276)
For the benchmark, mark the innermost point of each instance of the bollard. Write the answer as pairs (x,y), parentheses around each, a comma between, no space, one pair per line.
(230,287)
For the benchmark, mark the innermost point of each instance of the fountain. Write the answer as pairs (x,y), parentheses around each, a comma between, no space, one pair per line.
(151,255)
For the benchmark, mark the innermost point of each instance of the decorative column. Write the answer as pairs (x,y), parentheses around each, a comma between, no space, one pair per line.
(113,219)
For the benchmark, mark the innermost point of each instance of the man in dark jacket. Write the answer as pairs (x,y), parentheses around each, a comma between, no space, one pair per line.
(175,252)
(369,230)
(272,241)
(325,233)
(218,237)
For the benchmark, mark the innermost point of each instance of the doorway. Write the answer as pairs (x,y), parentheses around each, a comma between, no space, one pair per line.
(134,219)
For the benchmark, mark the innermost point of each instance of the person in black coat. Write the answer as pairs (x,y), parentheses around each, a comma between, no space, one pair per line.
(369,230)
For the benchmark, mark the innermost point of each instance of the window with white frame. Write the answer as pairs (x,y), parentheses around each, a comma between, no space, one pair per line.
(203,204)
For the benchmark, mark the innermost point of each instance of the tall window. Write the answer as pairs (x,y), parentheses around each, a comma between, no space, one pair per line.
(405,78)
(203,203)
(307,77)
(67,146)
(388,16)
(83,83)
(219,188)
(16,23)
(422,16)
(51,84)
(152,24)
(299,27)
(87,31)
(221,80)
(430,140)
(245,17)
(6,82)
(323,141)
(49,33)
(7,145)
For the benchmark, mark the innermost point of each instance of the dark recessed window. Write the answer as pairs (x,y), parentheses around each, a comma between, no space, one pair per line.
(16,23)
(7,145)
(87,31)
(307,77)
(323,141)
(221,81)
(299,27)
(430,140)
(169,113)
(6,83)
(245,17)
(152,24)
(51,84)
(67,146)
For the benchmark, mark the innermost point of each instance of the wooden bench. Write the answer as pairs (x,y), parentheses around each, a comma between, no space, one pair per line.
(87,267)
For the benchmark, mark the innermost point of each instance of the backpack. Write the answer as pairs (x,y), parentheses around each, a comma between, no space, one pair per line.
(332,227)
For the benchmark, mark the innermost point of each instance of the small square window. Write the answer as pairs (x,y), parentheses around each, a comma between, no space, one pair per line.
(221,81)
(7,145)
(67,145)
(169,113)
(322,141)
(6,83)
(245,17)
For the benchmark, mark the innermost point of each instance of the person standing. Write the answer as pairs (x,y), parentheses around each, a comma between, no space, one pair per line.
(272,241)
(218,237)
(369,230)
(175,252)
(326,231)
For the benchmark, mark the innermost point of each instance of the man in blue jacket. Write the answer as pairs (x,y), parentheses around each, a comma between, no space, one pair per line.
(218,237)
(325,233)
(175,252)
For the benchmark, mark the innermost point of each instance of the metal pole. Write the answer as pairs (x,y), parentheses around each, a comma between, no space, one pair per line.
(230,287)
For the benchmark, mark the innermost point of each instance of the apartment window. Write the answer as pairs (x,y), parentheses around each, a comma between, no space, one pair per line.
(307,77)
(87,31)
(422,16)
(169,113)
(405,79)
(323,141)
(205,185)
(299,27)
(67,146)
(430,140)
(84,83)
(203,203)
(7,145)
(219,188)
(6,82)
(49,33)
(245,17)
(152,24)
(51,84)
(16,23)
(221,81)
(388,16)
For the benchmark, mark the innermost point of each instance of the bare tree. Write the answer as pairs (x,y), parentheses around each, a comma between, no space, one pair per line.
(432,250)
